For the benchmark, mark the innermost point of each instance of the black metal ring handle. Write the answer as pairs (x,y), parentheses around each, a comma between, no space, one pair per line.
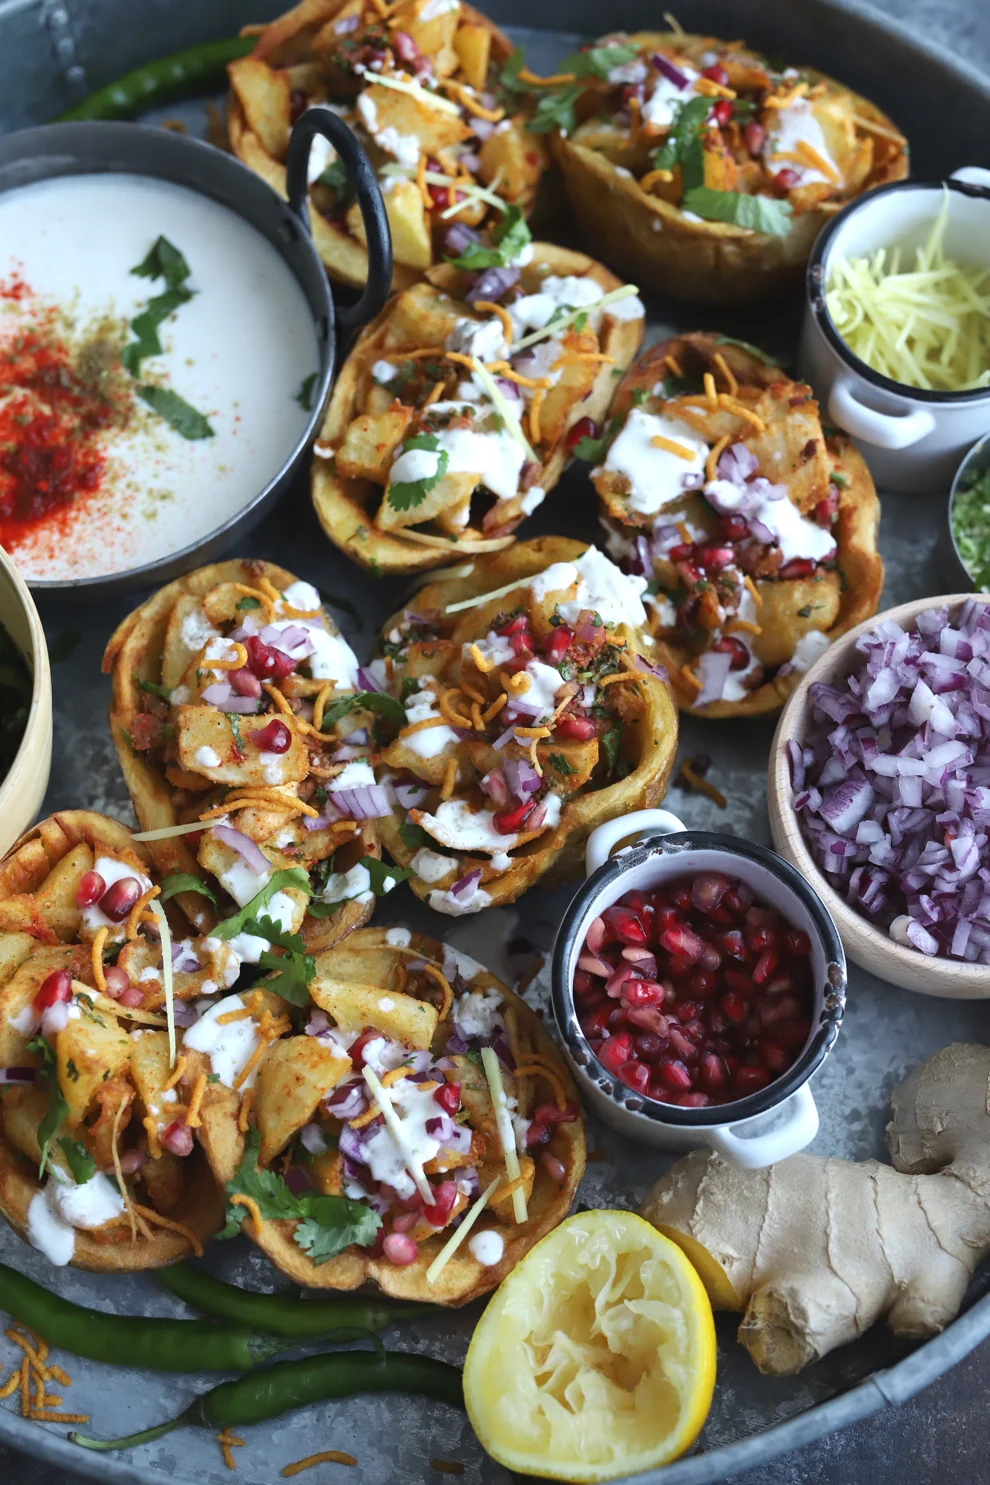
(320,120)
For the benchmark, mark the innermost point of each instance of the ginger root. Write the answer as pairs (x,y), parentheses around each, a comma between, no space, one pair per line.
(815,1250)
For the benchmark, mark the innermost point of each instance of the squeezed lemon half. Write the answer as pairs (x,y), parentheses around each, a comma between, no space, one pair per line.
(596,1357)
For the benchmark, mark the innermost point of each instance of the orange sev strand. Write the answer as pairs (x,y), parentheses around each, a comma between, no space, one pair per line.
(534,760)
(688,675)
(714,454)
(12,1383)
(227,1441)
(709,88)
(177,1074)
(461,360)
(695,781)
(649,180)
(448,994)
(326,1456)
(543,1070)
(251,1064)
(483,665)
(672,364)
(535,412)
(710,392)
(254,1211)
(435,393)
(423,188)
(157,1220)
(731,404)
(742,626)
(535,81)
(727,372)
(41,1417)
(671,446)
(154,1144)
(532,731)
(229,1016)
(504,369)
(569,357)
(811,156)
(490,307)
(478,724)
(244,1112)
(239,661)
(494,709)
(320,701)
(424,353)
(97,959)
(395,1075)
(447,1466)
(25,1388)
(421,726)
(754,590)
(134,916)
(449,778)
(193,1121)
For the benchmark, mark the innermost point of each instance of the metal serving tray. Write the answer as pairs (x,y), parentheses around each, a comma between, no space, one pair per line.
(51,51)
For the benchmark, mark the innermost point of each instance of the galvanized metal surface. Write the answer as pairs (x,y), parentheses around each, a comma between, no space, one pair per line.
(886,1031)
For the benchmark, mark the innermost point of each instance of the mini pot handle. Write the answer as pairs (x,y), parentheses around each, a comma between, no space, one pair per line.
(361,176)
(791,1134)
(972,175)
(639,823)
(884,430)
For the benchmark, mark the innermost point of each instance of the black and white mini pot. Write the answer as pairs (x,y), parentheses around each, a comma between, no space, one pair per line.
(768,1125)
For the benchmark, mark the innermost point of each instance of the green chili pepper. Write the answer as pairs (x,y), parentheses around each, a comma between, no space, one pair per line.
(123,1340)
(281,1314)
(295,1384)
(199,69)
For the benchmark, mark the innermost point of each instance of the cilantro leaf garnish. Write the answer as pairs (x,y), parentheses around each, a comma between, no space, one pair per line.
(382,875)
(79,1160)
(508,238)
(326,1224)
(754,350)
(163,261)
(305,394)
(166,262)
(294,969)
(176,411)
(611,742)
(508,78)
(593,450)
(154,689)
(559,763)
(683,145)
(247,602)
(415,837)
(407,494)
(598,61)
(372,701)
(287,876)
(555,111)
(757,213)
(184,881)
(58,1108)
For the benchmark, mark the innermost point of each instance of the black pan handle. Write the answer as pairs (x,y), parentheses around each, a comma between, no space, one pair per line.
(320,120)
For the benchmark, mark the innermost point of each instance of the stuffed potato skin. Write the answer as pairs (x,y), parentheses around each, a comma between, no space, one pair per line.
(645,232)
(713,579)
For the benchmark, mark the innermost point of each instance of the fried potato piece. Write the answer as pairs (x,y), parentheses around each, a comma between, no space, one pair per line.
(87,1053)
(264,95)
(473,47)
(206,745)
(412,242)
(295,1075)
(353,1007)
(56,897)
(792,609)
(370,442)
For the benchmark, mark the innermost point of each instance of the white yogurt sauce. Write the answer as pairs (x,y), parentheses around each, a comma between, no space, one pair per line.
(808,649)
(614,595)
(486,1247)
(421,705)
(398,938)
(237,352)
(476,1013)
(430,866)
(350,886)
(111,870)
(666,99)
(655,475)
(796,125)
(230,1047)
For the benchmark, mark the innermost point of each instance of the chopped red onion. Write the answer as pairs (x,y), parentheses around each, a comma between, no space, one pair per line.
(441,1127)
(366,680)
(218,694)
(670,72)
(410,796)
(366,802)
(496,786)
(507,736)
(473,162)
(521,777)
(185,1015)
(345,754)
(245,706)
(311,1138)
(358,739)
(347,1101)
(458,238)
(17,1075)
(244,846)
(713,670)
(184,957)
(463,884)
(492,284)
(645,668)
(318,1022)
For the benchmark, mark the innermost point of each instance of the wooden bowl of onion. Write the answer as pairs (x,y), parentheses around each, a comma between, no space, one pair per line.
(25,707)
(879,792)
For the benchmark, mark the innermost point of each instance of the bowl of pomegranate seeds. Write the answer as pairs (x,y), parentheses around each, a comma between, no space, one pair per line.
(698,984)
(25,706)
(879,792)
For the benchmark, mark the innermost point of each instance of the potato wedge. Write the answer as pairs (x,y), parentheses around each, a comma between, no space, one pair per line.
(354,1006)
(295,1075)
(88,1051)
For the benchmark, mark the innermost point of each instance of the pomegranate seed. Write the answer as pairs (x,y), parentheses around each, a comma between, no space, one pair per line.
(740,983)
(730,644)
(595,936)
(245,682)
(761,938)
(682,552)
(735,902)
(267,663)
(582,729)
(635,1075)
(649,1046)
(693,1100)
(275,738)
(510,822)
(583,428)
(649,1018)
(297,105)
(710,959)
(623,924)
(755,136)
(734,945)
(733,1007)
(522,644)
(679,968)
(687,1010)
(674,1075)
(714,557)
(444,1196)
(586,991)
(596,1024)
(708,889)
(356,1049)
(749,1079)
(644,963)
(722,112)
(798,943)
(641,992)
(773,1056)
(537,1134)
(132,997)
(792,1034)
(717,74)
(765,966)
(56,987)
(713,1075)
(178,1138)
(682,897)
(615,1052)
(557,643)
(779,984)
(119,898)
(404,1221)
(552,1113)
(704,982)
(515,626)
(117,981)
(733,528)
(448,1096)
(799,567)
(682,1046)
(717,1021)
(406,49)
(825,509)
(781,1008)
(91,888)
(554,1168)
(680,940)
(400,1249)
(785,180)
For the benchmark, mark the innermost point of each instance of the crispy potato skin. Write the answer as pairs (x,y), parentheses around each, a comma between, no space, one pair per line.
(287,42)
(558,854)
(652,243)
(464,1279)
(200,1203)
(345,507)
(133,655)
(848,599)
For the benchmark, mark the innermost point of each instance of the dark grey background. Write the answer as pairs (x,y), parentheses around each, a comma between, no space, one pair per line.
(942,1435)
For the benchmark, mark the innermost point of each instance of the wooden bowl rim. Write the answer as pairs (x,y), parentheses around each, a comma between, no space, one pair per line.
(899,961)
(33,756)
